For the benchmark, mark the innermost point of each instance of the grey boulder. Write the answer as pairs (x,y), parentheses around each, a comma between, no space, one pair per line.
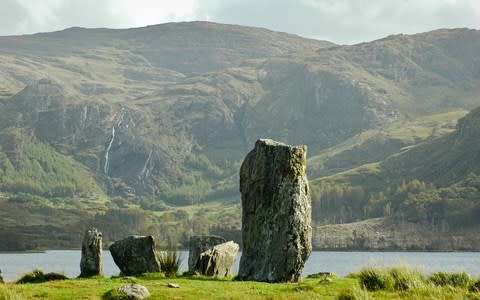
(135,255)
(133,291)
(199,244)
(218,261)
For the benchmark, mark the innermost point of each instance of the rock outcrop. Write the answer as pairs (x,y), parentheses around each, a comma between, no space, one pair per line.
(135,255)
(276,220)
(91,261)
(133,292)
(198,245)
(218,261)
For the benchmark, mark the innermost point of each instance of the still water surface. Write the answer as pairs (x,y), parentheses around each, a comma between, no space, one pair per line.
(14,265)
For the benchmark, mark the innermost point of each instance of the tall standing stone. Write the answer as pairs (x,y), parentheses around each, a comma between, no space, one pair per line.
(91,261)
(276,219)
(199,244)
(135,255)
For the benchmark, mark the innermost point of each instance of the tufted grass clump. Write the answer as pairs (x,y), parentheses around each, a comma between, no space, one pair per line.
(170,262)
(374,279)
(37,276)
(458,279)
(393,279)
(405,279)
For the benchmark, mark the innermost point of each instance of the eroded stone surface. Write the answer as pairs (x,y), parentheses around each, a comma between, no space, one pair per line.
(276,219)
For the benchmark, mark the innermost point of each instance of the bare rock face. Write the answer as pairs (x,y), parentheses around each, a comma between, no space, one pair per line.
(276,220)
(198,245)
(218,261)
(135,255)
(91,261)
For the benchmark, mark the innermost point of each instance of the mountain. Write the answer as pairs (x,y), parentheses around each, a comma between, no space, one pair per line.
(190,47)
(116,124)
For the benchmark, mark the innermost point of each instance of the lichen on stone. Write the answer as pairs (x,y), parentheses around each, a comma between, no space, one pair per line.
(276,220)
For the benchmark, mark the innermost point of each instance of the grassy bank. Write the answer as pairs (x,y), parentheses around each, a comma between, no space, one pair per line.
(370,283)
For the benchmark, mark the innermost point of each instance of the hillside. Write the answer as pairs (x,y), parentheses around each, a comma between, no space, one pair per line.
(432,188)
(155,121)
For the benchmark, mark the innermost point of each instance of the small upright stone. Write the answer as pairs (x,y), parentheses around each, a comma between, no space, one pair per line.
(198,245)
(91,261)
(276,213)
(218,261)
(135,255)
(1,278)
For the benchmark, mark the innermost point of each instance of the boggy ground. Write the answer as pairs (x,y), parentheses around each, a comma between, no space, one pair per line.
(193,287)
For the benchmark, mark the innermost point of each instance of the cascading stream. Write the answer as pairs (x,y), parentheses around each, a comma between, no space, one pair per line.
(107,151)
(144,169)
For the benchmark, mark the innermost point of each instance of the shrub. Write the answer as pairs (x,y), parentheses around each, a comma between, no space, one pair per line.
(375,279)
(170,262)
(405,279)
(37,276)
(459,279)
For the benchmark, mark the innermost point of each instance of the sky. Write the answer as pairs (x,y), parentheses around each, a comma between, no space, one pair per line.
(339,21)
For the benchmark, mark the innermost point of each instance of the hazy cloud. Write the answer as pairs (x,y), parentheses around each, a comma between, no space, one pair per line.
(341,21)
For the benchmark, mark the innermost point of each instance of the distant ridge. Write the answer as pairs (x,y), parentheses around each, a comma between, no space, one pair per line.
(187,47)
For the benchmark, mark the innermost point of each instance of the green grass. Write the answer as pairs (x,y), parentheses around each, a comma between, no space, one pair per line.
(401,283)
(190,288)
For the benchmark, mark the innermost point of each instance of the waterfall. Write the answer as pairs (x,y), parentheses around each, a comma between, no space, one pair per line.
(142,173)
(107,151)
(105,167)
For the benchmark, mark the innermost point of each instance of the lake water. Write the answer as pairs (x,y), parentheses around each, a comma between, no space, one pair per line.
(13,265)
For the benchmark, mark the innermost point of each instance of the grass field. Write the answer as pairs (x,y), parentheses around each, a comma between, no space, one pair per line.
(349,287)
